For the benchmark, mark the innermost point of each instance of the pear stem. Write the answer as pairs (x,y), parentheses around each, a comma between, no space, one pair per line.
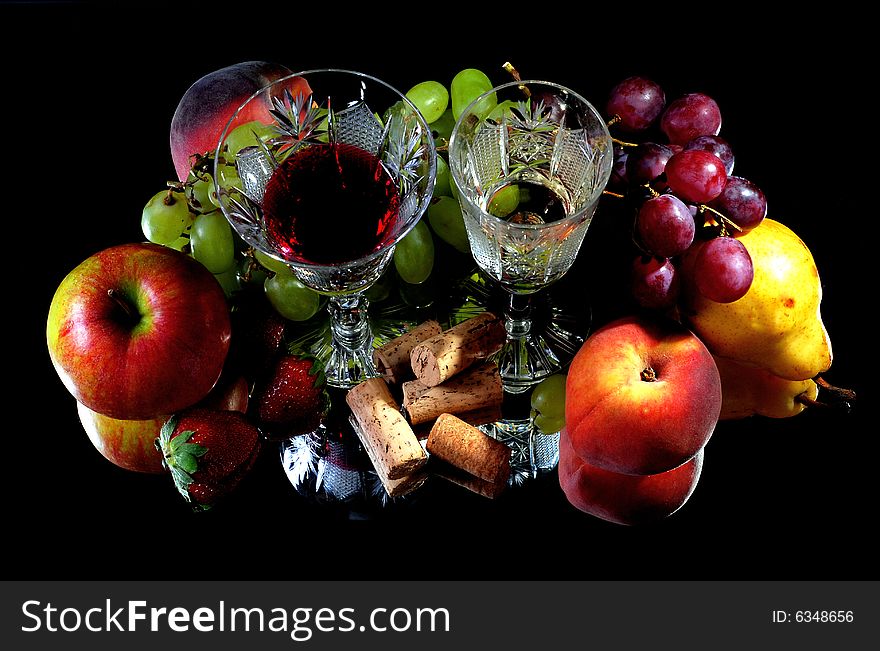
(840,398)
(845,394)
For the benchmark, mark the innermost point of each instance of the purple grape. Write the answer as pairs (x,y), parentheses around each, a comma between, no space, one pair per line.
(665,226)
(689,117)
(742,202)
(714,145)
(552,103)
(654,282)
(723,270)
(618,169)
(695,176)
(637,102)
(646,162)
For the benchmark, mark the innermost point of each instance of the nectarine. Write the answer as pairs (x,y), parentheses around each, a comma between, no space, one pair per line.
(206,107)
(643,396)
(625,499)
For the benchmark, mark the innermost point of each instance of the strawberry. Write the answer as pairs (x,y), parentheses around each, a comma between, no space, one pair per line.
(293,399)
(208,452)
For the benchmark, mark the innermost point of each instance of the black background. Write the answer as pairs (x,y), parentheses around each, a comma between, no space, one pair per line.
(88,98)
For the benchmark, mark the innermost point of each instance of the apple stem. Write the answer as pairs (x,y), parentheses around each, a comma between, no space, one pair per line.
(123,304)
(648,375)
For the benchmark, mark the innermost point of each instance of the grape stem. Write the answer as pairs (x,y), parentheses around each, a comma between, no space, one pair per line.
(616,195)
(613,120)
(623,143)
(508,66)
(722,220)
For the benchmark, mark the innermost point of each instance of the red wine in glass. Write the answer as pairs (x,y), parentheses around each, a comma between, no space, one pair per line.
(330,203)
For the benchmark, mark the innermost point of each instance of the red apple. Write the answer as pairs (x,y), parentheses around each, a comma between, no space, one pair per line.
(643,396)
(625,499)
(129,444)
(206,107)
(137,331)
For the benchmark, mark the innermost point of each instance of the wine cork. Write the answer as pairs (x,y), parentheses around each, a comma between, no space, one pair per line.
(394,487)
(478,389)
(397,452)
(440,357)
(464,446)
(393,359)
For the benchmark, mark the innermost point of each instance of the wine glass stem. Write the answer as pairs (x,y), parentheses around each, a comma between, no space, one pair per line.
(351,357)
(349,322)
(519,316)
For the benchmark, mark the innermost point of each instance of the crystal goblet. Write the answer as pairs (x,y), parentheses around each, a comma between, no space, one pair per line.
(308,172)
(529,172)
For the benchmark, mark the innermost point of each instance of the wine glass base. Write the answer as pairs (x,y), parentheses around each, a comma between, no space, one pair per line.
(343,367)
(525,361)
(532,453)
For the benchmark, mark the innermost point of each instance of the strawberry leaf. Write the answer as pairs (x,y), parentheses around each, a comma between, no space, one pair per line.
(180,439)
(186,462)
(167,431)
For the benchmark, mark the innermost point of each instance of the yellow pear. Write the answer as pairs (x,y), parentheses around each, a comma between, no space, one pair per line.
(777,324)
(750,390)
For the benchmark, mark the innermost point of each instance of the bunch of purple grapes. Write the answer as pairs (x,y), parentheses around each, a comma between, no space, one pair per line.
(691,205)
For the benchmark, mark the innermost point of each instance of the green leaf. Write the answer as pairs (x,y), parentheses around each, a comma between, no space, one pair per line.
(167,431)
(180,439)
(186,462)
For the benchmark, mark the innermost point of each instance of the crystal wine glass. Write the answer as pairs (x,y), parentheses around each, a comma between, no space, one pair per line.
(529,172)
(325,170)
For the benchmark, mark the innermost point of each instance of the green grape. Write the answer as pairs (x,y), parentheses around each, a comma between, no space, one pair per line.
(229,177)
(442,127)
(270,263)
(431,98)
(200,193)
(250,272)
(165,217)
(444,215)
(398,110)
(212,242)
(414,255)
(497,112)
(548,424)
(381,289)
(229,281)
(179,244)
(505,201)
(290,298)
(467,86)
(442,179)
(548,397)
(246,135)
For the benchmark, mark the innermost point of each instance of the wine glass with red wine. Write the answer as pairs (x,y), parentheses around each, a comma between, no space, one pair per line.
(325,170)
(530,160)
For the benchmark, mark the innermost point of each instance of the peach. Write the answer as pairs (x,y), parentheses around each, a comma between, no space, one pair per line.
(643,396)
(625,499)
(206,107)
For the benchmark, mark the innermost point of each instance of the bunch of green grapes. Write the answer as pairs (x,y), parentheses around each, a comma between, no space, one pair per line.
(187,216)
